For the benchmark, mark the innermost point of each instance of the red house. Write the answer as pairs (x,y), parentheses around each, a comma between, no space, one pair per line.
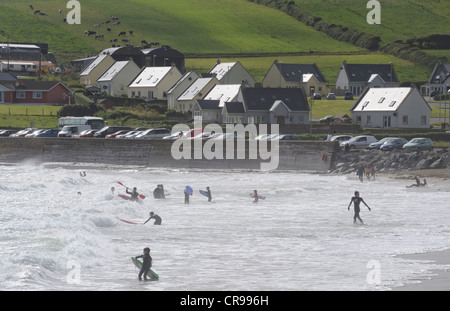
(33,92)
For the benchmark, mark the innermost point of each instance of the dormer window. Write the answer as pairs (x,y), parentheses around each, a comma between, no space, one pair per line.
(381,100)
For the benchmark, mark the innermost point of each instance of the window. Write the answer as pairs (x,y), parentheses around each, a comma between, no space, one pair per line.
(37,95)
(381,100)
(1,97)
(358,119)
(20,94)
(405,120)
(423,120)
(392,103)
(368,119)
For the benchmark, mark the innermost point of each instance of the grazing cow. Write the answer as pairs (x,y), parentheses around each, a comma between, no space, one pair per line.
(131,32)
(31,7)
(109,29)
(91,33)
(60,11)
(123,33)
(99,37)
(113,40)
(97,25)
(65,20)
(106,22)
(125,40)
(144,42)
(117,23)
(37,12)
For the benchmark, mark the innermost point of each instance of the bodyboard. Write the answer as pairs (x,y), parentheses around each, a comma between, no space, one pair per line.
(203,192)
(188,190)
(153,275)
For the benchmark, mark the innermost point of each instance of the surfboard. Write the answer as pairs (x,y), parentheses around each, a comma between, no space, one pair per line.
(188,190)
(129,222)
(203,192)
(153,275)
(259,196)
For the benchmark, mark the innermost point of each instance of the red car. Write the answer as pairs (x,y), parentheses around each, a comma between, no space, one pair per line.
(113,135)
(87,133)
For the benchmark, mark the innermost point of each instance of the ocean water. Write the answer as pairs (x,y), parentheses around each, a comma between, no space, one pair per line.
(301,237)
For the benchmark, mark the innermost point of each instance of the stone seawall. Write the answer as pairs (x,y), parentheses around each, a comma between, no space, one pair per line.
(293,155)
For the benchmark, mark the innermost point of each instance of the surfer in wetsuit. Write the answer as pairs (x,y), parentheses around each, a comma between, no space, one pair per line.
(417,184)
(209,194)
(255,195)
(146,263)
(155,217)
(356,200)
(134,194)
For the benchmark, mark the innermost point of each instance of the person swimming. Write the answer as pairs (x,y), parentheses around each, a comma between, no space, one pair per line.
(155,217)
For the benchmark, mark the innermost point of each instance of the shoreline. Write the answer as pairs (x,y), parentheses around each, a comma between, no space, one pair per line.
(440,277)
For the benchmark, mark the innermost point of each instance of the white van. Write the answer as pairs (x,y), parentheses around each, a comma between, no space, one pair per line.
(71,130)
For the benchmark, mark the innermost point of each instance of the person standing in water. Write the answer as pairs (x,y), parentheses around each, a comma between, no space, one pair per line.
(208,190)
(356,200)
(155,217)
(255,195)
(146,264)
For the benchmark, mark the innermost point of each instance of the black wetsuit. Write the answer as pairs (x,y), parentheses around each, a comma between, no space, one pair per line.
(356,201)
(156,218)
(146,265)
(158,194)
(134,195)
(209,196)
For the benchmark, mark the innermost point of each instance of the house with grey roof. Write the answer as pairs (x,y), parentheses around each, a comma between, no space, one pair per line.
(439,82)
(115,79)
(289,75)
(96,68)
(154,82)
(258,106)
(397,107)
(356,77)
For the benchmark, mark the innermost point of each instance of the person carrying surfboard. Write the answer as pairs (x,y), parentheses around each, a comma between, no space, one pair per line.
(134,194)
(356,200)
(255,195)
(155,217)
(146,264)
(209,196)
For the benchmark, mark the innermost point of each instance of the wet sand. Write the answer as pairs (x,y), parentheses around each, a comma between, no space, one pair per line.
(439,281)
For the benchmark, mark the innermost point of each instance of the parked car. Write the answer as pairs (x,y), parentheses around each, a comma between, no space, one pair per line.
(317,96)
(394,143)
(265,136)
(419,143)
(115,134)
(175,135)
(203,136)
(34,133)
(223,136)
(48,133)
(331,96)
(130,135)
(6,133)
(377,145)
(348,96)
(190,133)
(109,130)
(23,132)
(359,142)
(327,119)
(153,133)
(86,133)
(341,138)
(285,137)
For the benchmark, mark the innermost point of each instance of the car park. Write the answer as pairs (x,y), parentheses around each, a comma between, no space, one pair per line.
(419,143)
(394,143)
(109,130)
(7,133)
(153,133)
(359,142)
(23,132)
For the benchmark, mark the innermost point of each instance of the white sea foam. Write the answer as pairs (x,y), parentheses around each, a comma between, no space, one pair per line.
(300,238)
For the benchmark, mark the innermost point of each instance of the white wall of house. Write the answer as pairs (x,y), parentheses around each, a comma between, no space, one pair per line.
(118,85)
(160,89)
(178,89)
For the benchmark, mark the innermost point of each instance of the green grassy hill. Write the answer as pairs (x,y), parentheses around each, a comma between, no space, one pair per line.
(191,26)
(400,19)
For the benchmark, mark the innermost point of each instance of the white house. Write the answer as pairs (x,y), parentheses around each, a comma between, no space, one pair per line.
(439,82)
(398,107)
(232,73)
(154,82)
(95,69)
(223,93)
(197,90)
(179,87)
(356,77)
(116,79)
